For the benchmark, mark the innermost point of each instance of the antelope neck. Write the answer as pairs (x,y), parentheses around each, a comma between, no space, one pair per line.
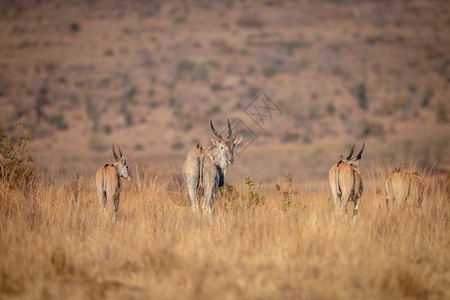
(217,158)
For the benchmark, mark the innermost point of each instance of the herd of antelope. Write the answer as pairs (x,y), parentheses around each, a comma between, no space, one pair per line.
(205,169)
(204,172)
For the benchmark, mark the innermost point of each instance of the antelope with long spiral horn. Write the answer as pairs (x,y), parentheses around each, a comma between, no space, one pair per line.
(109,181)
(345,182)
(206,168)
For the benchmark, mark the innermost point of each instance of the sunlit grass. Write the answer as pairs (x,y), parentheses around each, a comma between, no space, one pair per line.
(54,242)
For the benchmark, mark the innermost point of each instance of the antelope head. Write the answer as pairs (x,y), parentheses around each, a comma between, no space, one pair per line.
(349,156)
(225,145)
(120,163)
(355,160)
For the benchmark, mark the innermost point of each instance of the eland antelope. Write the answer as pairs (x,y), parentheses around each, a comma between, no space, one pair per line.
(345,182)
(206,168)
(108,181)
(405,188)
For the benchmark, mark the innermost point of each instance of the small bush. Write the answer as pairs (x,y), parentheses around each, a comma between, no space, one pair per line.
(201,71)
(229,198)
(330,109)
(441,114)
(270,71)
(177,145)
(427,97)
(250,21)
(371,128)
(254,197)
(107,129)
(172,102)
(20,171)
(215,87)
(287,192)
(313,112)
(15,149)
(128,96)
(179,20)
(215,109)
(58,122)
(74,27)
(412,87)
(361,94)
(127,116)
(91,109)
(289,137)
(108,52)
(185,65)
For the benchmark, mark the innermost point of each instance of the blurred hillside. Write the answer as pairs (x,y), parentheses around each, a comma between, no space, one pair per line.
(151,74)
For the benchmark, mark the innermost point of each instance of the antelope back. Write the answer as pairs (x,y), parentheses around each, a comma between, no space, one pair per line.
(405,187)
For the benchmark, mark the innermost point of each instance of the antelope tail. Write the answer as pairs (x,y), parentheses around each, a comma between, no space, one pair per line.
(200,161)
(338,186)
(390,192)
(409,190)
(352,193)
(103,181)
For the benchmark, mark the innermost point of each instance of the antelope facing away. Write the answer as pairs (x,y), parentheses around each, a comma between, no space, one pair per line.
(108,181)
(405,188)
(206,168)
(345,182)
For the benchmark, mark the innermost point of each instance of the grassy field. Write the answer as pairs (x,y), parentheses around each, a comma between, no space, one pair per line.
(282,241)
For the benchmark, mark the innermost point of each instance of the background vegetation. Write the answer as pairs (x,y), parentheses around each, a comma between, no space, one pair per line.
(150,76)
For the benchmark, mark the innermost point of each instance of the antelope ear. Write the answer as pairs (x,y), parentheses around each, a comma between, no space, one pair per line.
(237,141)
(215,142)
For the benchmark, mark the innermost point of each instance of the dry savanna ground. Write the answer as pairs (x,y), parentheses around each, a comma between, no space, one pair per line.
(282,241)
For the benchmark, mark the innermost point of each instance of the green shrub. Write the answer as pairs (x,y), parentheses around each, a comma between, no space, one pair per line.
(287,192)
(20,170)
(229,198)
(254,198)
(15,149)
(201,71)
(270,71)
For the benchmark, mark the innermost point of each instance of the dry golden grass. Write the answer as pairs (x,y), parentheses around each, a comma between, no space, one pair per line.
(55,243)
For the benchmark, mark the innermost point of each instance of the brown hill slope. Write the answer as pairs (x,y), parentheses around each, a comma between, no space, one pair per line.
(150,75)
